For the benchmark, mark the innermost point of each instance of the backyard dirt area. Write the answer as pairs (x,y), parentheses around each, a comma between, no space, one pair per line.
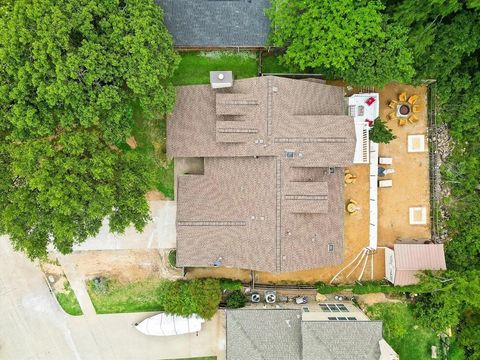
(125,265)
(410,189)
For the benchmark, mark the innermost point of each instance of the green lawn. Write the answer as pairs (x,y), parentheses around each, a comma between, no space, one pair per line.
(195,66)
(119,298)
(410,340)
(151,139)
(68,301)
(271,64)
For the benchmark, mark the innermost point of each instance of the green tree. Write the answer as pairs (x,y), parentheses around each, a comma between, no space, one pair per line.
(71,74)
(385,59)
(451,294)
(380,133)
(469,333)
(329,35)
(60,190)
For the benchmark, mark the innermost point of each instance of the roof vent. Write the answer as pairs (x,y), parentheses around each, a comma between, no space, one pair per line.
(331,247)
(290,154)
(218,262)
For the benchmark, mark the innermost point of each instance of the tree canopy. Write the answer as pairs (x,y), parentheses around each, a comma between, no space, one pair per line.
(346,38)
(380,132)
(72,73)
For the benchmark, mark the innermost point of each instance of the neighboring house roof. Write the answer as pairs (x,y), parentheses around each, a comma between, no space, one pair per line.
(263,334)
(217,23)
(410,258)
(280,334)
(329,340)
(266,200)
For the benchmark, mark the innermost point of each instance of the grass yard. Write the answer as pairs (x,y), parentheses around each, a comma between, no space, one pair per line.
(68,301)
(271,64)
(151,137)
(195,66)
(114,297)
(410,340)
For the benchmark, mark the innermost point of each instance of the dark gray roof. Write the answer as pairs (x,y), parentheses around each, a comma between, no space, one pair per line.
(263,334)
(331,340)
(217,23)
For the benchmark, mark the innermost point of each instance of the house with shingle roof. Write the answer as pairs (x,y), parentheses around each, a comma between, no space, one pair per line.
(270,197)
(217,23)
(293,334)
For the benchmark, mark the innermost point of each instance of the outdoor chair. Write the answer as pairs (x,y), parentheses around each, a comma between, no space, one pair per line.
(392,116)
(385,160)
(385,183)
(412,119)
(412,99)
(402,97)
(402,122)
(392,104)
(416,108)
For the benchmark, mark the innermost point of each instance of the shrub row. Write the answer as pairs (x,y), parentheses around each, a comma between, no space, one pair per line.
(369,287)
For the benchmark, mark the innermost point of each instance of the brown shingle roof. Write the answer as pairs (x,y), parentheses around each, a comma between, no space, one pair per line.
(254,207)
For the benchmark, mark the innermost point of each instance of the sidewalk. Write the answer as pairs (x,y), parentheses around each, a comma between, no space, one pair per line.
(77,283)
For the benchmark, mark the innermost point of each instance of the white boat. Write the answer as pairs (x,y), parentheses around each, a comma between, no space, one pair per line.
(167,325)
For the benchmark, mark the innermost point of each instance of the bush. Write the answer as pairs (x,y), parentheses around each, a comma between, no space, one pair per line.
(230,284)
(369,287)
(172,258)
(188,297)
(380,133)
(236,299)
(324,288)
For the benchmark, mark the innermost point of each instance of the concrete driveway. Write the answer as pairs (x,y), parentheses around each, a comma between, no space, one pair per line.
(159,233)
(32,326)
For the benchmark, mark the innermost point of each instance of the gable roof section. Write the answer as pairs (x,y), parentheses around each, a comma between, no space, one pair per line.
(281,334)
(263,116)
(217,23)
(411,258)
(263,334)
(329,340)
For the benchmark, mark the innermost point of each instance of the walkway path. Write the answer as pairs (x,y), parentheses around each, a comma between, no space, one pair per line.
(77,282)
